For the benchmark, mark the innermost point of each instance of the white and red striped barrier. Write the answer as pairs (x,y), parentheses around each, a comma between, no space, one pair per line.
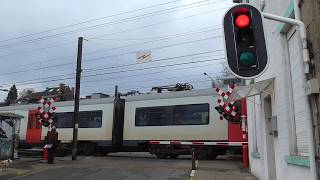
(197,143)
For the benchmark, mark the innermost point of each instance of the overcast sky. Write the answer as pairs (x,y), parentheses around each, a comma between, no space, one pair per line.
(38,43)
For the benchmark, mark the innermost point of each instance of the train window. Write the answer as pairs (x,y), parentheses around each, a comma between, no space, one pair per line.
(153,116)
(90,119)
(87,119)
(194,114)
(64,120)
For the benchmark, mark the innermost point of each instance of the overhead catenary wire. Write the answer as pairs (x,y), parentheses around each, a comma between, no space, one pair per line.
(133,82)
(180,78)
(159,23)
(161,38)
(101,25)
(144,87)
(89,59)
(141,27)
(157,60)
(143,75)
(77,30)
(159,47)
(125,65)
(104,57)
(100,74)
(148,74)
(88,21)
(150,41)
(121,71)
(92,81)
(38,49)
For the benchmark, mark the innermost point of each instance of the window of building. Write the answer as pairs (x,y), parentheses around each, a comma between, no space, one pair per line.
(194,114)
(87,119)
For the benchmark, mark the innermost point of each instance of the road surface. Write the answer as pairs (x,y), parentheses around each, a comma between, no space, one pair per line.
(117,166)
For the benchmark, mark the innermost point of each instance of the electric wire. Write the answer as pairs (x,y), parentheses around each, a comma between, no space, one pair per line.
(104,57)
(102,25)
(144,87)
(150,41)
(136,81)
(87,21)
(146,80)
(115,72)
(125,65)
(141,27)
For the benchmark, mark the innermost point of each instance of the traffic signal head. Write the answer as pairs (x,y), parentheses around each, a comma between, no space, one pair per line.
(244,41)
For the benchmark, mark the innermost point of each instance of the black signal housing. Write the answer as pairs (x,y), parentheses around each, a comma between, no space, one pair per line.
(245,41)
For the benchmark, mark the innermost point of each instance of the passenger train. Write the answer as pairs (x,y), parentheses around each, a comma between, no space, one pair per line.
(131,123)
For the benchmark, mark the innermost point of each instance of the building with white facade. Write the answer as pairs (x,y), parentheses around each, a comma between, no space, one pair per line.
(280,119)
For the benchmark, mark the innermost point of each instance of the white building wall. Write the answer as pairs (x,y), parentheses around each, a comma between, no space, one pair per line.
(282,107)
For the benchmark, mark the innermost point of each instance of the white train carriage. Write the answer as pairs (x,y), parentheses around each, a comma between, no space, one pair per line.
(95,123)
(174,116)
(129,124)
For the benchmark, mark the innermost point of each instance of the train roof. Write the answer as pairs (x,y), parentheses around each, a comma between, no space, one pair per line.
(174,94)
(152,96)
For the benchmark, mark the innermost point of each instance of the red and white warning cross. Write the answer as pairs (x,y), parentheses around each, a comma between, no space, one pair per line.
(225,95)
(45,110)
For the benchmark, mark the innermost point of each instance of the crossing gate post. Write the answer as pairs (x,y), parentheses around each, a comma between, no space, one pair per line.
(245,148)
(245,156)
(193,159)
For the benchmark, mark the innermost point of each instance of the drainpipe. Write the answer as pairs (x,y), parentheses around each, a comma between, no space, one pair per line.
(305,51)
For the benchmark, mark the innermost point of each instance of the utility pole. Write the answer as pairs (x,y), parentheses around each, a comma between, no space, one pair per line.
(76,101)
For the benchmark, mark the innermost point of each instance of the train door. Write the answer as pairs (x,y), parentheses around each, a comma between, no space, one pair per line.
(118,119)
(34,128)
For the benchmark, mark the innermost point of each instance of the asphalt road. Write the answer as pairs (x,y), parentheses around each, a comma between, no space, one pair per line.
(120,166)
(126,166)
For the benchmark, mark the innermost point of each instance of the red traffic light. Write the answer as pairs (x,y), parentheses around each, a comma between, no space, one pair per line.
(242,21)
(245,45)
